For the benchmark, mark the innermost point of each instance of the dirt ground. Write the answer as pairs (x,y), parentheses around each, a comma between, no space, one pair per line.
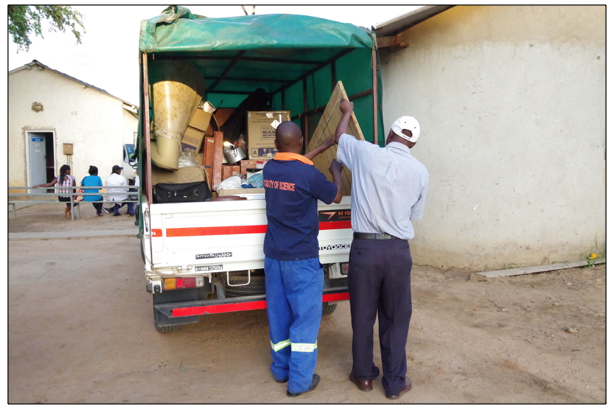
(80,331)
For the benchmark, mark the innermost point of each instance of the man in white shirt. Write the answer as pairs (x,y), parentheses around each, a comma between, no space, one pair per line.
(389,189)
(117,194)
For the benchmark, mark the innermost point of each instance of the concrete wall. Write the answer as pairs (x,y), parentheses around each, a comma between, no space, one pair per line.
(95,123)
(511,101)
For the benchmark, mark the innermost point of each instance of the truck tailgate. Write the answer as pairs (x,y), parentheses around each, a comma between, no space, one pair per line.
(229,235)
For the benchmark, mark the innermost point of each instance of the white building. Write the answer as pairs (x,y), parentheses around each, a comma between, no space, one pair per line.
(511,101)
(55,119)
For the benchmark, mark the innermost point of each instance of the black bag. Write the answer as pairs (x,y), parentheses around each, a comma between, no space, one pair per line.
(181,192)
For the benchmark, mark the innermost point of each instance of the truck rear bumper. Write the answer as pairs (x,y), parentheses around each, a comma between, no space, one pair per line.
(238,304)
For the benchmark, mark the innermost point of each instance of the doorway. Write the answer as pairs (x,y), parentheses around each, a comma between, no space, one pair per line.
(41,158)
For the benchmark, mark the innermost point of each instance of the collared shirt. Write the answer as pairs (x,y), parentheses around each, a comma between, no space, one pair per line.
(389,186)
(116,194)
(292,187)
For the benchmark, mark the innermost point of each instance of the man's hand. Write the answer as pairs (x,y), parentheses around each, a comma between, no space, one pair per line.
(328,142)
(346,106)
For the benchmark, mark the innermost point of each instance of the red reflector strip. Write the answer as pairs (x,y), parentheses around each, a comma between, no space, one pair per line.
(213,231)
(333,297)
(236,230)
(238,307)
(228,307)
(344,224)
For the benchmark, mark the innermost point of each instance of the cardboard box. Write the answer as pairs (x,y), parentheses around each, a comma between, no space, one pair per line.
(192,139)
(229,171)
(202,117)
(238,192)
(261,132)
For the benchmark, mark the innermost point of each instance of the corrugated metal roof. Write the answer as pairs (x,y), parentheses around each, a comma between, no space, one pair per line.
(404,22)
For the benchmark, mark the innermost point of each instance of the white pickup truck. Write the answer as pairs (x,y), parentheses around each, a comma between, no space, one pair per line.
(206,257)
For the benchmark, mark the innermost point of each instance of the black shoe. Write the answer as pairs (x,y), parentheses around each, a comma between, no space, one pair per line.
(314,384)
(281,381)
(405,388)
(132,214)
(116,214)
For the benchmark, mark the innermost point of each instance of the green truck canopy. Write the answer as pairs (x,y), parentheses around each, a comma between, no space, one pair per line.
(296,59)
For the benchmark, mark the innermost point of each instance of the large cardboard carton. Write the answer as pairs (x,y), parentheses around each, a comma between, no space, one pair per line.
(261,128)
(202,117)
(192,139)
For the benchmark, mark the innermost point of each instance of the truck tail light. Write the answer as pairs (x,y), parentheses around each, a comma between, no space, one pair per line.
(345,268)
(182,283)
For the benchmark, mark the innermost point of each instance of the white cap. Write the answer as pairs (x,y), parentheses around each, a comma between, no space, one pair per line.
(407,123)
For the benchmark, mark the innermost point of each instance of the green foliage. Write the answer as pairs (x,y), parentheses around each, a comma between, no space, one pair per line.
(25,21)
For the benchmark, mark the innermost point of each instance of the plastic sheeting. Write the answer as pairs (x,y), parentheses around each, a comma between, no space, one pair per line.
(296,59)
(177,29)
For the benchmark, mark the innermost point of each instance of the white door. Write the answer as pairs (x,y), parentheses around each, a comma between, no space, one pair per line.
(37,165)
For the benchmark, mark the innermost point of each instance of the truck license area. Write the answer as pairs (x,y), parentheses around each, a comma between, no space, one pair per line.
(209,268)
(214,255)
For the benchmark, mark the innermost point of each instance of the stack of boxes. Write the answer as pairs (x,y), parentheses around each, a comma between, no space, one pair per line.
(199,137)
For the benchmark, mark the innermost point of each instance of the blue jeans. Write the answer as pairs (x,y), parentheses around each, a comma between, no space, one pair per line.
(294,308)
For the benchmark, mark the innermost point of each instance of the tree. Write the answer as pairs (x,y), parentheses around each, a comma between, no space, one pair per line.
(25,21)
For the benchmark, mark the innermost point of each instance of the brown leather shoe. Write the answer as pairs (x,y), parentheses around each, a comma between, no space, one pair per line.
(406,388)
(364,385)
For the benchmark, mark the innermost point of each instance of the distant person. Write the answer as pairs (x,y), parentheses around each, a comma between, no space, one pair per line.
(117,194)
(64,181)
(93,180)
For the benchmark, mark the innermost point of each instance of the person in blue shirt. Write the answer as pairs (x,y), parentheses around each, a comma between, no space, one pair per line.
(93,180)
(294,275)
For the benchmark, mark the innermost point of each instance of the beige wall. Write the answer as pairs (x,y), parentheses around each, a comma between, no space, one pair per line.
(95,123)
(511,101)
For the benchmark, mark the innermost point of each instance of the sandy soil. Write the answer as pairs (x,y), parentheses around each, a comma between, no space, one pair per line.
(80,331)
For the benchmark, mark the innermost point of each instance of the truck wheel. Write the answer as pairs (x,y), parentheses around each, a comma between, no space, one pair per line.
(256,286)
(328,308)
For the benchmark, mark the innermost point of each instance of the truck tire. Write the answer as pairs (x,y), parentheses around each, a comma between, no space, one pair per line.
(328,308)
(255,287)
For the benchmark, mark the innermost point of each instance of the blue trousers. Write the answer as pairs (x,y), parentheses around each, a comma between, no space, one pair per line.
(379,283)
(294,308)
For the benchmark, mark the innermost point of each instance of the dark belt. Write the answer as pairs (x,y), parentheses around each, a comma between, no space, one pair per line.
(374,236)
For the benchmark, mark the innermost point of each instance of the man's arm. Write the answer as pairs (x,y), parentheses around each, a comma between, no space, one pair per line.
(321,148)
(335,170)
(346,107)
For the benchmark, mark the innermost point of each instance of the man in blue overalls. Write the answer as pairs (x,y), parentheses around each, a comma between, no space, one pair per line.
(293,273)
